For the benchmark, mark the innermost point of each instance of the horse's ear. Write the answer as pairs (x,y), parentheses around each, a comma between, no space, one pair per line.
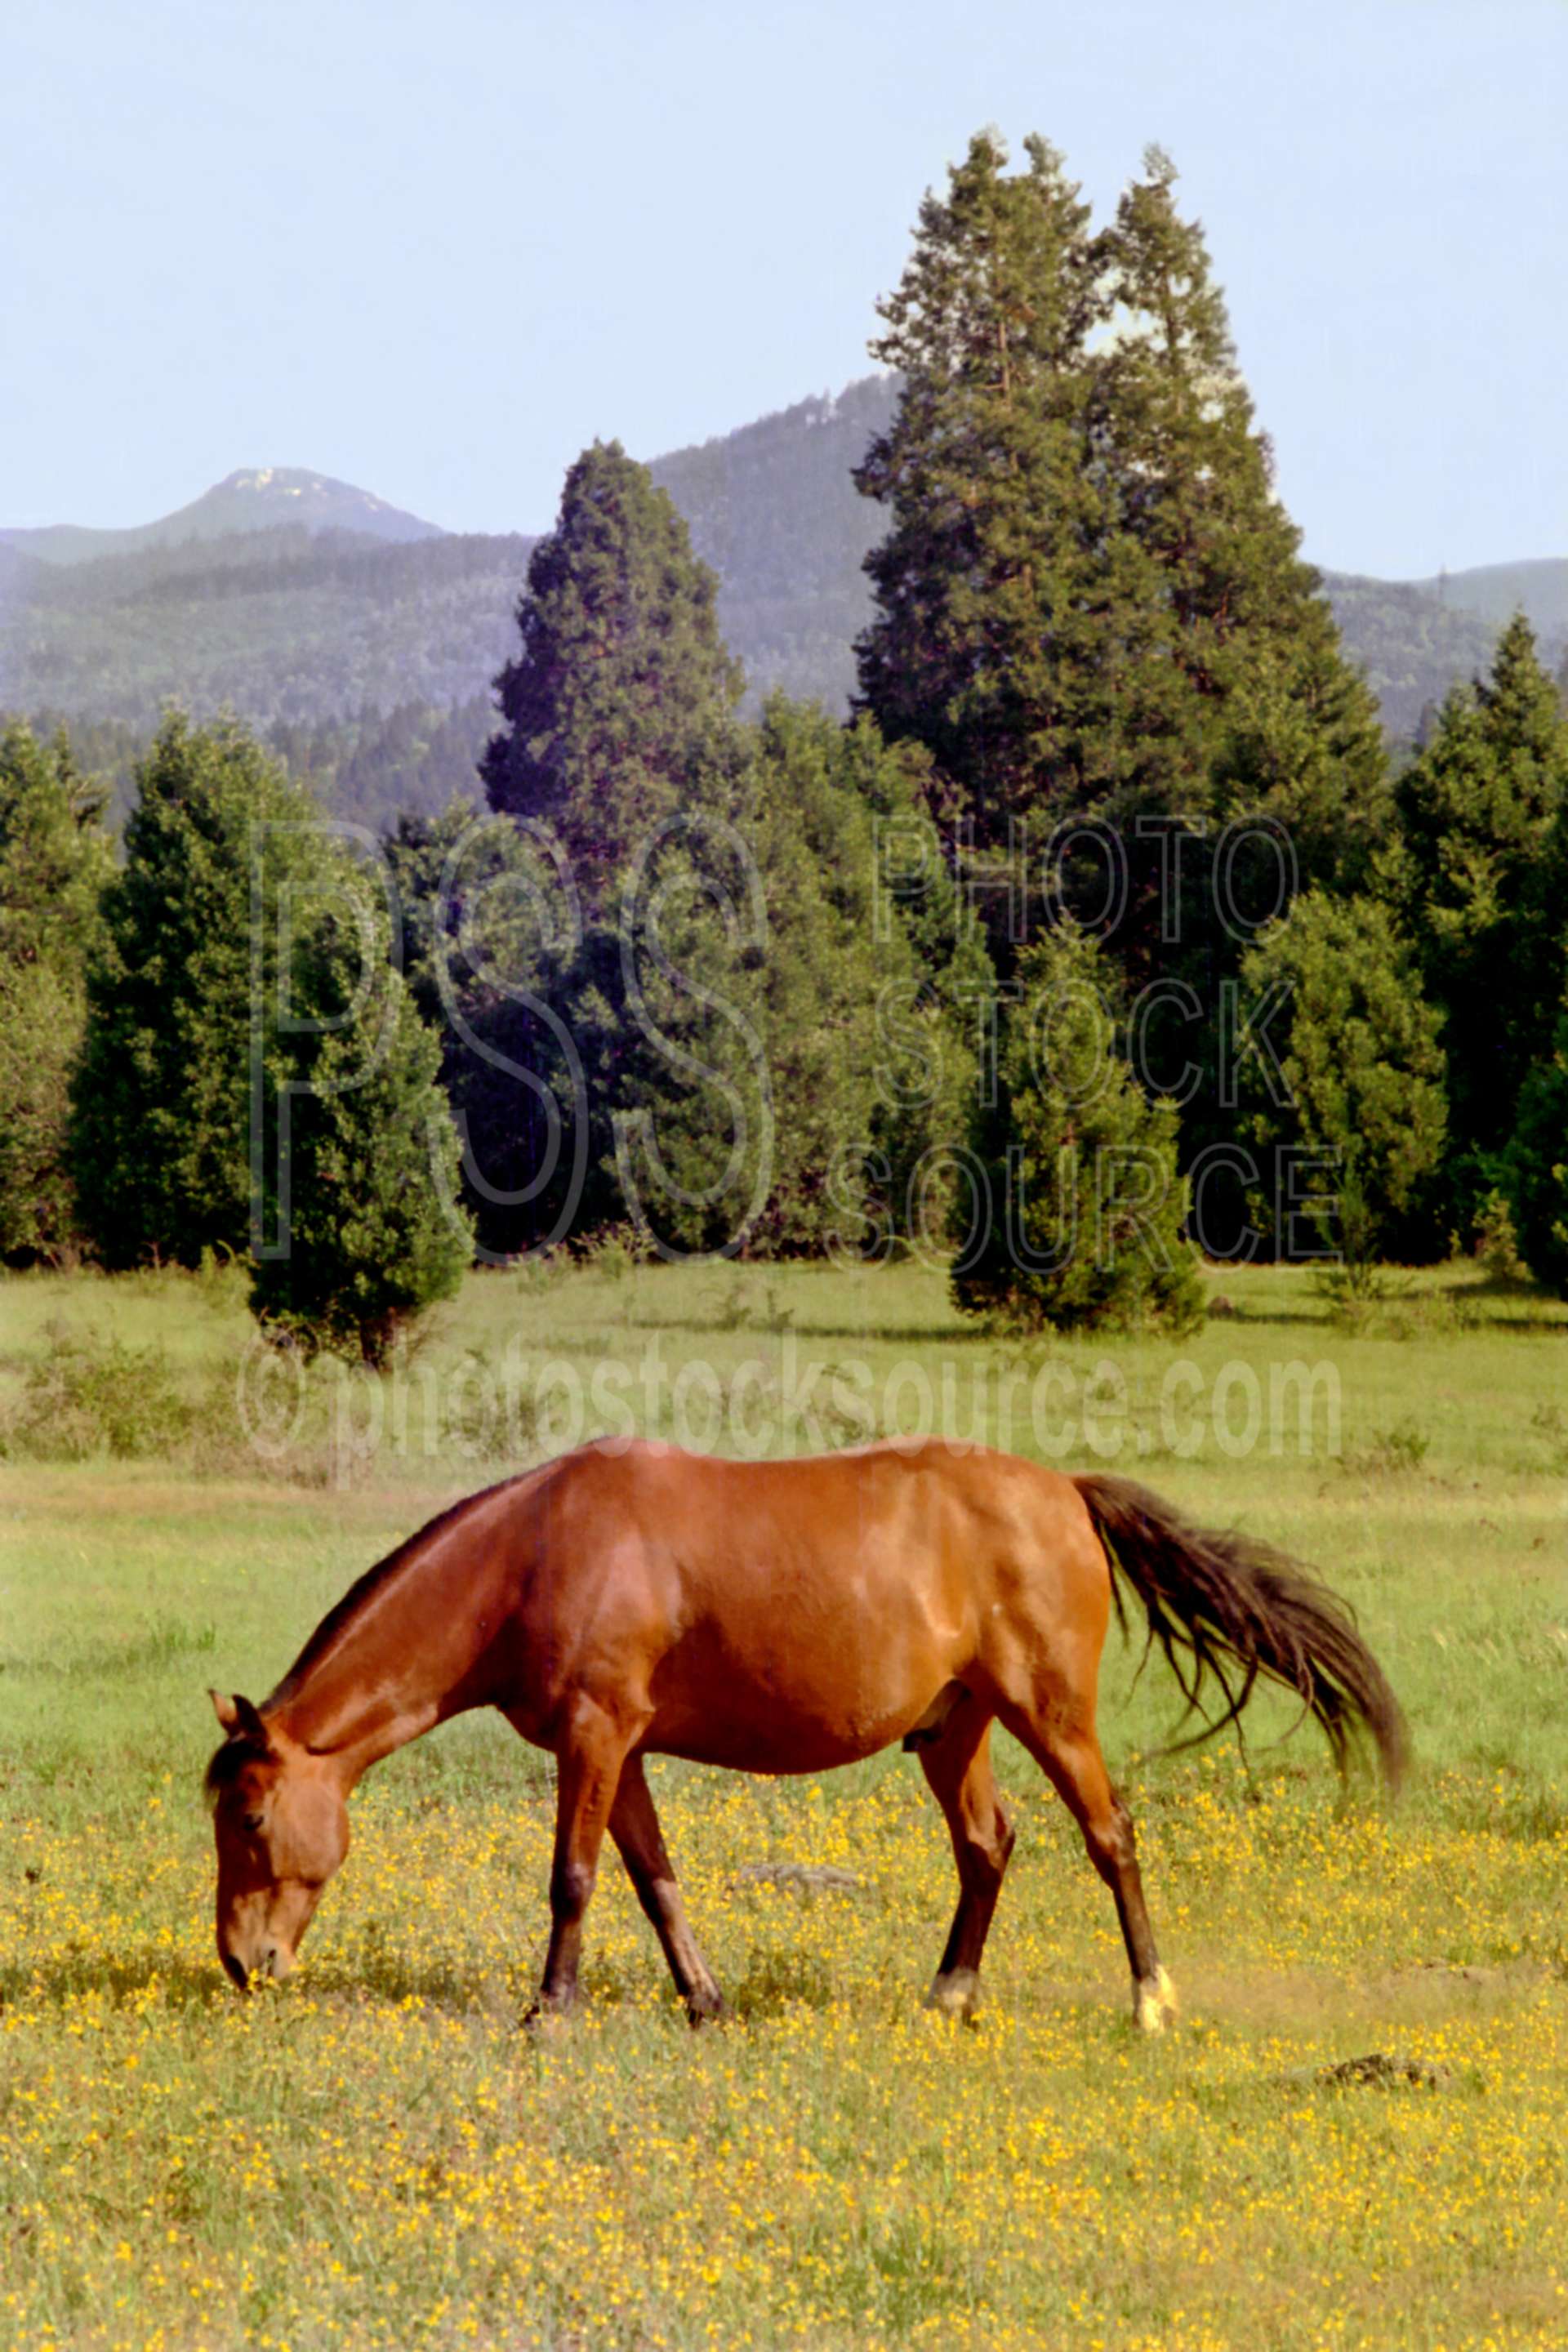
(237,1716)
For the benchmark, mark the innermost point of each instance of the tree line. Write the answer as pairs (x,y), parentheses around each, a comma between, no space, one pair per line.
(1101,928)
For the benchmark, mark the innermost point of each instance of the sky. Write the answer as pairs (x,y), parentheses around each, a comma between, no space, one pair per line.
(434,249)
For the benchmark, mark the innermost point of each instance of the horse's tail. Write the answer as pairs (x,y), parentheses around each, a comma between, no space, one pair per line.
(1223,1602)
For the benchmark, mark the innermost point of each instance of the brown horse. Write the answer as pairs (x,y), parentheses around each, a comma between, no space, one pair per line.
(633,1600)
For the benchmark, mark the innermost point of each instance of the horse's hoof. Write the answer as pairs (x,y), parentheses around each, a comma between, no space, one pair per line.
(546,2020)
(956,1993)
(1155,2003)
(707,2009)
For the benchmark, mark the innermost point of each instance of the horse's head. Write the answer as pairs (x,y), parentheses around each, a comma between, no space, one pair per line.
(282,1828)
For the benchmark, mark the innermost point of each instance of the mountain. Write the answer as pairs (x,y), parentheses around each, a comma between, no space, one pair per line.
(263,497)
(1495,591)
(772,507)
(1412,648)
(363,641)
(18,573)
(284,626)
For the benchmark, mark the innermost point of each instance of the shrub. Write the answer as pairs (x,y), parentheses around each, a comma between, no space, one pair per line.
(91,1396)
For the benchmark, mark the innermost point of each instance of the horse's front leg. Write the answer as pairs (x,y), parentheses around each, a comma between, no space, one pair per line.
(589,1758)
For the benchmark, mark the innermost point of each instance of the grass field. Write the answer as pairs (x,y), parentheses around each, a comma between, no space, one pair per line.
(374,2154)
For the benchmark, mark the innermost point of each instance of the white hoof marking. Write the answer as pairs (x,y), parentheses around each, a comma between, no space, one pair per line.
(956,1993)
(1156,2003)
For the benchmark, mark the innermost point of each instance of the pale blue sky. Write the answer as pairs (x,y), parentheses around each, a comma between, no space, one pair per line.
(433,249)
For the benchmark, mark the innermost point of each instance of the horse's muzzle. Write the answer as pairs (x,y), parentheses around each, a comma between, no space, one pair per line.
(272,1963)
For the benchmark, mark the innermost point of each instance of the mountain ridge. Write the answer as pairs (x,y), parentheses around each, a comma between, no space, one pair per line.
(250,498)
(316,619)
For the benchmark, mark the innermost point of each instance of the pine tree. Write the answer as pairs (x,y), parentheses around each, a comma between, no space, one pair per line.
(1080,1222)
(1363,1069)
(1242,708)
(1196,486)
(1089,597)
(989,630)
(618,708)
(1476,877)
(54,863)
(490,939)
(217,843)
(931,1010)
(1535,1166)
(361,1220)
(845,971)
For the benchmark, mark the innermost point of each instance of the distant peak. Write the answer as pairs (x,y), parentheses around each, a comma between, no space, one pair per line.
(251,498)
(297,482)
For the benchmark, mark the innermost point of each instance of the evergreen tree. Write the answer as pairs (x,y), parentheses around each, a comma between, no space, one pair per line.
(1476,877)
(1080,1222)
(1089,597)
(618,708)
(846,977)
(814,999)
(989,627)
(1535,1167)
(1361,1067)
(932,1007)
(54,863)
(1195,481)
(1243,719)
(713,1019)
(218,846)
(360,1217)
(491,937)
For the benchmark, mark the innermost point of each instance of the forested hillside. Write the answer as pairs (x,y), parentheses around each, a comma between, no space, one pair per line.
(1412,647)
(362,645)
(772,508)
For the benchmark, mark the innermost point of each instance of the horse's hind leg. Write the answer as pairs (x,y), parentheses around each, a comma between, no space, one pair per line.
(1066,1748)
(588,1768)
(958,1767)
(634,1825)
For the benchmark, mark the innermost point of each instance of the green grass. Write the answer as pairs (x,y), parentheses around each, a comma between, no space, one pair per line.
(375,2156)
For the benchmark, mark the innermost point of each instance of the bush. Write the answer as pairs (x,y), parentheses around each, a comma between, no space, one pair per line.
(1497,1241)
(93,1396)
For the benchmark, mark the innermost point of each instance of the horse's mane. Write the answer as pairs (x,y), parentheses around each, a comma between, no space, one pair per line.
(225,1764)
(242,1747)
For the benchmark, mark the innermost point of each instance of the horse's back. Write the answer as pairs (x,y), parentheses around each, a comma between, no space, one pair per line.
(787,1615)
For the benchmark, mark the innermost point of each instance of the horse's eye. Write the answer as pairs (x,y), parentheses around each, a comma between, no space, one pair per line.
(252,1821)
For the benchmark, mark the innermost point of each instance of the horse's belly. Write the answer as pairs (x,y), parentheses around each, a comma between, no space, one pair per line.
(823,1705)
(770,1747)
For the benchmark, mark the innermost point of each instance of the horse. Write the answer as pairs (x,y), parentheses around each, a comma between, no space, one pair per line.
(630,1599)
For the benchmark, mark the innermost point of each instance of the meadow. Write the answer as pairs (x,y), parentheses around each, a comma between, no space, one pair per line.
(1355,2137)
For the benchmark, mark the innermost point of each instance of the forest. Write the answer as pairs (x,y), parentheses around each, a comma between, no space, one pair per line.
(1103,926)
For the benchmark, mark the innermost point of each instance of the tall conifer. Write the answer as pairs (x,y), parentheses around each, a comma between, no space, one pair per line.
(988,584)
(618,708)
(1477,877)
(55,861)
